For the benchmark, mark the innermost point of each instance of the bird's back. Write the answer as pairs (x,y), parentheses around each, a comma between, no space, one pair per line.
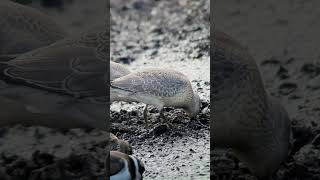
(156,86)
(24,28)
(240,98)
(68,77)
(245,118)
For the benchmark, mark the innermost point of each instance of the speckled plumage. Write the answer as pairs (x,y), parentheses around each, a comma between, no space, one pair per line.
(159,87)
(24,28)
(117,70)
(246,119)
(61,85)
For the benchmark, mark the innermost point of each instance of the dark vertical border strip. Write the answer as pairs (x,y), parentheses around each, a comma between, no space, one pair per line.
(211,87)
(107,78)
(107,21)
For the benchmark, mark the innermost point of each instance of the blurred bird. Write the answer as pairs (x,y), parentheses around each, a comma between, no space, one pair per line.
(124,167)
(61,85)
(24,28)
(246,119)
(120,145)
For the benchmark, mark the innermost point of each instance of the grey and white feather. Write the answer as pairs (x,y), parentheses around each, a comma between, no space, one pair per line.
(159,87)
(117,70)
(246,118)
(24,28)
(61,85)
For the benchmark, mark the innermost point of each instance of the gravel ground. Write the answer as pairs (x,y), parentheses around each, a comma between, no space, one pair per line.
(165,34)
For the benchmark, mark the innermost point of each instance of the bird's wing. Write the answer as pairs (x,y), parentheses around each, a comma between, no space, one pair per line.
(24,28)
(157,83)
(68,69)
(117,70)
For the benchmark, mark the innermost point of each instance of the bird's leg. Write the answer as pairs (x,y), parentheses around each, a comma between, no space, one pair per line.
(145,116)
(164,118)
(198,121)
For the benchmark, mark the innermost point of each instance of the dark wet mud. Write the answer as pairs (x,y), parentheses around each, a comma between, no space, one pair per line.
(178,151)
(38,153)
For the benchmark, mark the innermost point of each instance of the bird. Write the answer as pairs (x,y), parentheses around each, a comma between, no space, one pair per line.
(158,87)
(117,70)
(62,85)
(124,167)
(120,145)
(246,118)
(24,29)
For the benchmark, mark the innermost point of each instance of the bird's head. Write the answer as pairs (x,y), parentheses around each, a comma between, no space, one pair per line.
(194,107)
(139,167)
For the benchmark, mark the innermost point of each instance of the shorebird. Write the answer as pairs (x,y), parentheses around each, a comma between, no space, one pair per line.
(158,87)
(24,28)
(124,167)
(247,120)
(120,145)
(61,85)
(117,70)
